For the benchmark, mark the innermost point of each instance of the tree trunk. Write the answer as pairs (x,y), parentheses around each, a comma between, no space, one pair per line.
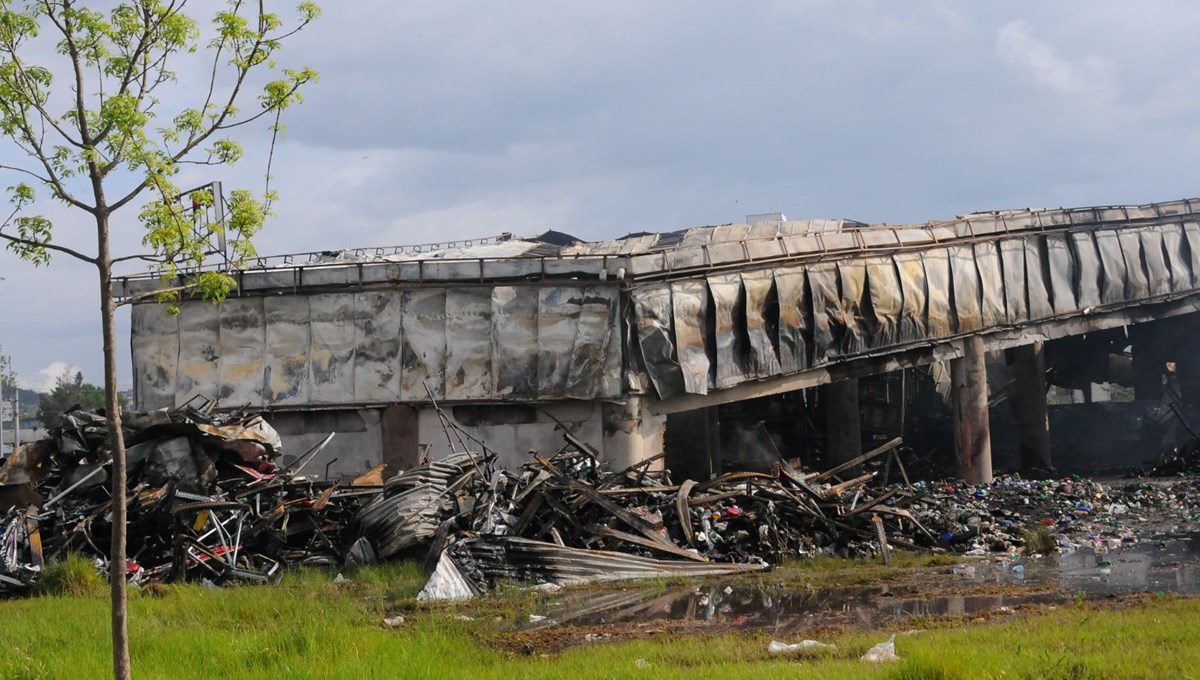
(116,444)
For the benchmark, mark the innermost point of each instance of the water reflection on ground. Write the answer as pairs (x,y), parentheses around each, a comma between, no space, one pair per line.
(1167,566)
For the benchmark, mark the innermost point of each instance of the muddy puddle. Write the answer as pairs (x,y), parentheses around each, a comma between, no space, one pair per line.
(974,588)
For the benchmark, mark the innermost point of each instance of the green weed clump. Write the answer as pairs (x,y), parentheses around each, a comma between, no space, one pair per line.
(1039,540)
(73,575)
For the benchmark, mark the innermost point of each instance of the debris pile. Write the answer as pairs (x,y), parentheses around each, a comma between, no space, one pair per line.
(565,519)
(206,500)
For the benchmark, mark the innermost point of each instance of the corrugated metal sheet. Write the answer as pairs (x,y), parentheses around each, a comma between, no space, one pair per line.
(841,309)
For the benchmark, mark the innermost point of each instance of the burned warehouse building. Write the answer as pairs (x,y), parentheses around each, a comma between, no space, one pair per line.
(809,339)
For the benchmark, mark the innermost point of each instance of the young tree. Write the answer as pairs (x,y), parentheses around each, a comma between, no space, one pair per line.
(89,98)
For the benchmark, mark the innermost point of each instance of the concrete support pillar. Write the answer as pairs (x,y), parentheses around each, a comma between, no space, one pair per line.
(969,396)
(1029,404)
(843,430)
(399,431)
(631,433)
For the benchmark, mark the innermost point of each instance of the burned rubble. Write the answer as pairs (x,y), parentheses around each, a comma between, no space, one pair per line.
(209,500)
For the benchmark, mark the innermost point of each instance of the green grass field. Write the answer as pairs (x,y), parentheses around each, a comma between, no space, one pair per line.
(308,627)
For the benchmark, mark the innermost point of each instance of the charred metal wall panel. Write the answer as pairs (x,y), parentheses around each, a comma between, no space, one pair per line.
(1012,261)
(285,353)
(590,373)
(242,332)
(852,280)
(155,339)
(331,355)
(762,316)
(377,317)
(823,284)
(1137,286)
(887,301)
(558,314)
(423,345)
(1087,262)
(1037,283)
(795,318)
(515,341)
(729,313)
(689,310)
(468,343)
(937,279)
(655,338)
(914,323)
(384,346)
(684,333)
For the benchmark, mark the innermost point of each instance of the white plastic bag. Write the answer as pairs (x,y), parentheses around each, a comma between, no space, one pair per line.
(884,651)
(777,647)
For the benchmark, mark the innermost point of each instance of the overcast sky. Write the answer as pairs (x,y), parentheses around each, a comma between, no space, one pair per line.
(439,120)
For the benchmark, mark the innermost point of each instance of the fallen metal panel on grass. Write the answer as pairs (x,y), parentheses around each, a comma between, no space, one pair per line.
(728,311)
(468,343)
(287,347)
(377,318)
(515,341)
(423,344)
(689,309)
(760,329)
(526,560)
(795,318)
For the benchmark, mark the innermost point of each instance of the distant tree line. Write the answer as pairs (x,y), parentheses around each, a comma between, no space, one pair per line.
(69,392)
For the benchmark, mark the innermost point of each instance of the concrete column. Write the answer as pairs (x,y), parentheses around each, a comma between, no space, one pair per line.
(1029,404)
(843,430)
(400,434)
(969,396)
(631,433)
